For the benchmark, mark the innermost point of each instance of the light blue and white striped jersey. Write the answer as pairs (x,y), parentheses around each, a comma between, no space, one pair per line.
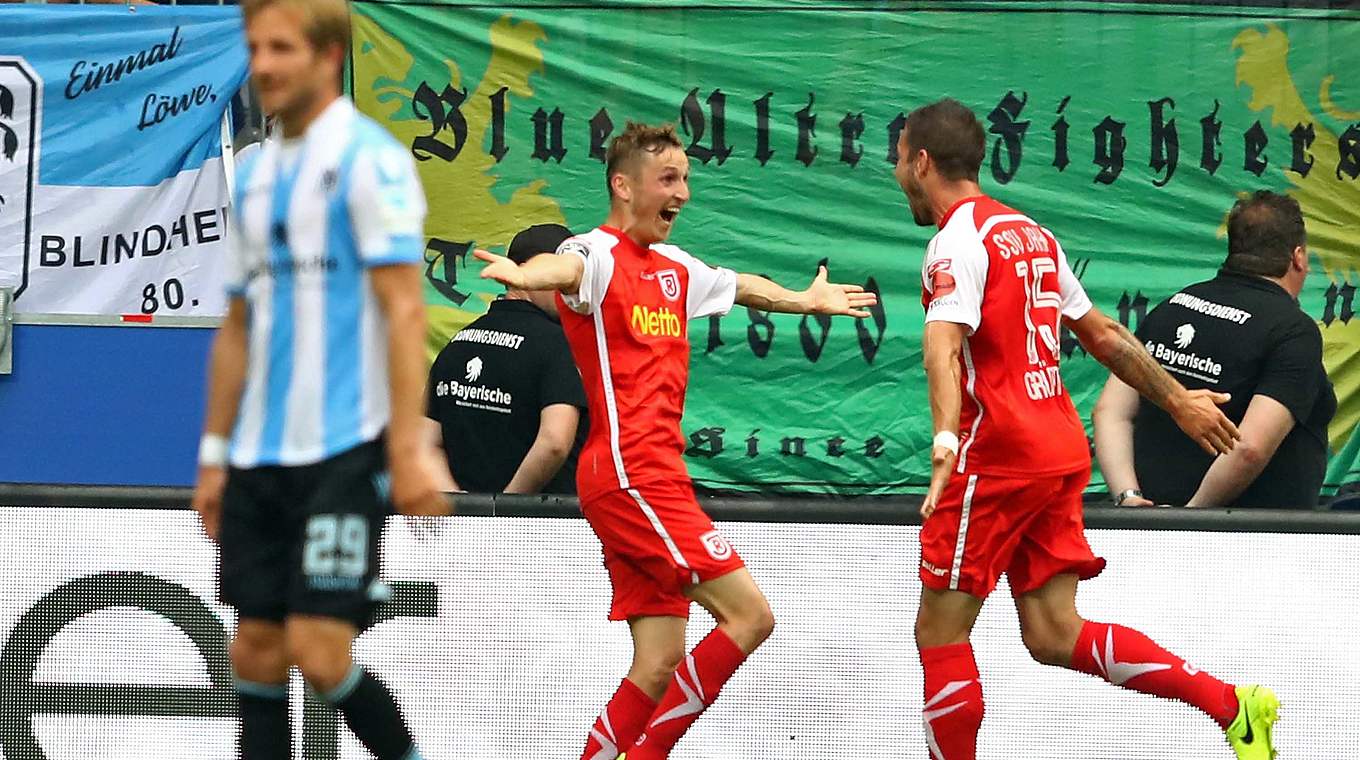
(310,218)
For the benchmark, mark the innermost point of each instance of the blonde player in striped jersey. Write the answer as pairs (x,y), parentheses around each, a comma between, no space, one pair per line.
(315,407)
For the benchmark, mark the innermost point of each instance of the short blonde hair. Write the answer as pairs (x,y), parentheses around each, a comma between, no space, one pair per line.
(325,22)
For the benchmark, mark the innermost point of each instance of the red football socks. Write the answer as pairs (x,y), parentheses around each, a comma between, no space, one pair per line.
(620,724)
(1127,658)
(953,706)
(693,688)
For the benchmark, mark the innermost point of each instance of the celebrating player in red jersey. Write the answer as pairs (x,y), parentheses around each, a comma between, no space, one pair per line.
(1010,456)
(625,301)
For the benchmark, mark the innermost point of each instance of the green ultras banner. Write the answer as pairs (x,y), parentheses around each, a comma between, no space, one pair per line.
(1128,129)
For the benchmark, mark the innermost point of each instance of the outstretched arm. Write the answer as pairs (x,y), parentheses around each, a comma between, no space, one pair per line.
(542,272)
(821,297)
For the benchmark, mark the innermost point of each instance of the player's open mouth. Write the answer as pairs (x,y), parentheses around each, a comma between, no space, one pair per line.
(669,213)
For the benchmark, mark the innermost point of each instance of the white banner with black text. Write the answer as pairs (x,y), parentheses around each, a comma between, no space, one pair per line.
(113,193)
(112,644)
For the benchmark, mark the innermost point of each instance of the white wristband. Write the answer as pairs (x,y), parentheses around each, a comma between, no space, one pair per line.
(947,440)
(212,451)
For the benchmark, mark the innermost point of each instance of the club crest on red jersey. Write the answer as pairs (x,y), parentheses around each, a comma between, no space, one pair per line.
(669,281)
(716,546)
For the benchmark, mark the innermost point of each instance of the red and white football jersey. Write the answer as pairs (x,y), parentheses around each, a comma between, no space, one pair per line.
(998,272)
(628,331)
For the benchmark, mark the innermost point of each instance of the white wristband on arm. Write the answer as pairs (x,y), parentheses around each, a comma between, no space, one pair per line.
(212,451)
(948,440)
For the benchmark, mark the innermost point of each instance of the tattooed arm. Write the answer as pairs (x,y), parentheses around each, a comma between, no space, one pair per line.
(1196,412)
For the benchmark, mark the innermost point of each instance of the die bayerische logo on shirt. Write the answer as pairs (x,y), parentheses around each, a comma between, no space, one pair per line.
(476,396)
(1185,362)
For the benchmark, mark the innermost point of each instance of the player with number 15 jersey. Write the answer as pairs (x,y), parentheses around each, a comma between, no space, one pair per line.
(1010,457)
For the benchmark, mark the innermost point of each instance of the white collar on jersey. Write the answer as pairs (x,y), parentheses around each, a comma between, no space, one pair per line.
(329,121)
(337,112)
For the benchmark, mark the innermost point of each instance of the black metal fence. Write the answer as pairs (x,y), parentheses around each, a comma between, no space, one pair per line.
(857,511)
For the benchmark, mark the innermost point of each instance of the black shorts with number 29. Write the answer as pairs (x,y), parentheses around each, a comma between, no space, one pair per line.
(304,540)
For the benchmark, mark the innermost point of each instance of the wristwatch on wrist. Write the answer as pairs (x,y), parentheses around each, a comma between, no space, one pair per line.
(1125,495)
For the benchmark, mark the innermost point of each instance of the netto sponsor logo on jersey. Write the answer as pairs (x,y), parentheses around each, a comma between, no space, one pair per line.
(661,323)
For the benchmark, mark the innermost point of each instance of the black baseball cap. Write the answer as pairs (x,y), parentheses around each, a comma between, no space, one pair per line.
(540,238)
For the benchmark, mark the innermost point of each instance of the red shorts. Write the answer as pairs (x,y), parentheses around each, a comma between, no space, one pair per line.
(1028,528)
(657,543)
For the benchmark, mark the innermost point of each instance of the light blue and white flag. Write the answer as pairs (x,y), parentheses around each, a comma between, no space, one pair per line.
(113,192)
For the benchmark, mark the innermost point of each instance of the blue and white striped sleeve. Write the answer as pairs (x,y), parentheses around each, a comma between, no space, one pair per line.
(387,206)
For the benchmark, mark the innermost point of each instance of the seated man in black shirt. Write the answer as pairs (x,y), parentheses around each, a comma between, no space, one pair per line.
(506,393)
(1242,334)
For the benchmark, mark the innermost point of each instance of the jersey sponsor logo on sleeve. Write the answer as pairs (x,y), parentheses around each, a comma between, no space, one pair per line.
(392,167)
(941,278)
(716,546)
(572,246)
(400,212)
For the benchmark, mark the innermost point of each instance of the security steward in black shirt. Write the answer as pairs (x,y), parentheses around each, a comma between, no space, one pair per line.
(506,393)
(1243,334)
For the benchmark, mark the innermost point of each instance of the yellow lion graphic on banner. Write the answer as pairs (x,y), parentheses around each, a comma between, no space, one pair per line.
(1331,207)
(462,205)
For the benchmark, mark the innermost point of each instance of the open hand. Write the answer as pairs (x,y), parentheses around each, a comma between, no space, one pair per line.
(941,467)
(836,299)
(500,269)
(1200,418)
